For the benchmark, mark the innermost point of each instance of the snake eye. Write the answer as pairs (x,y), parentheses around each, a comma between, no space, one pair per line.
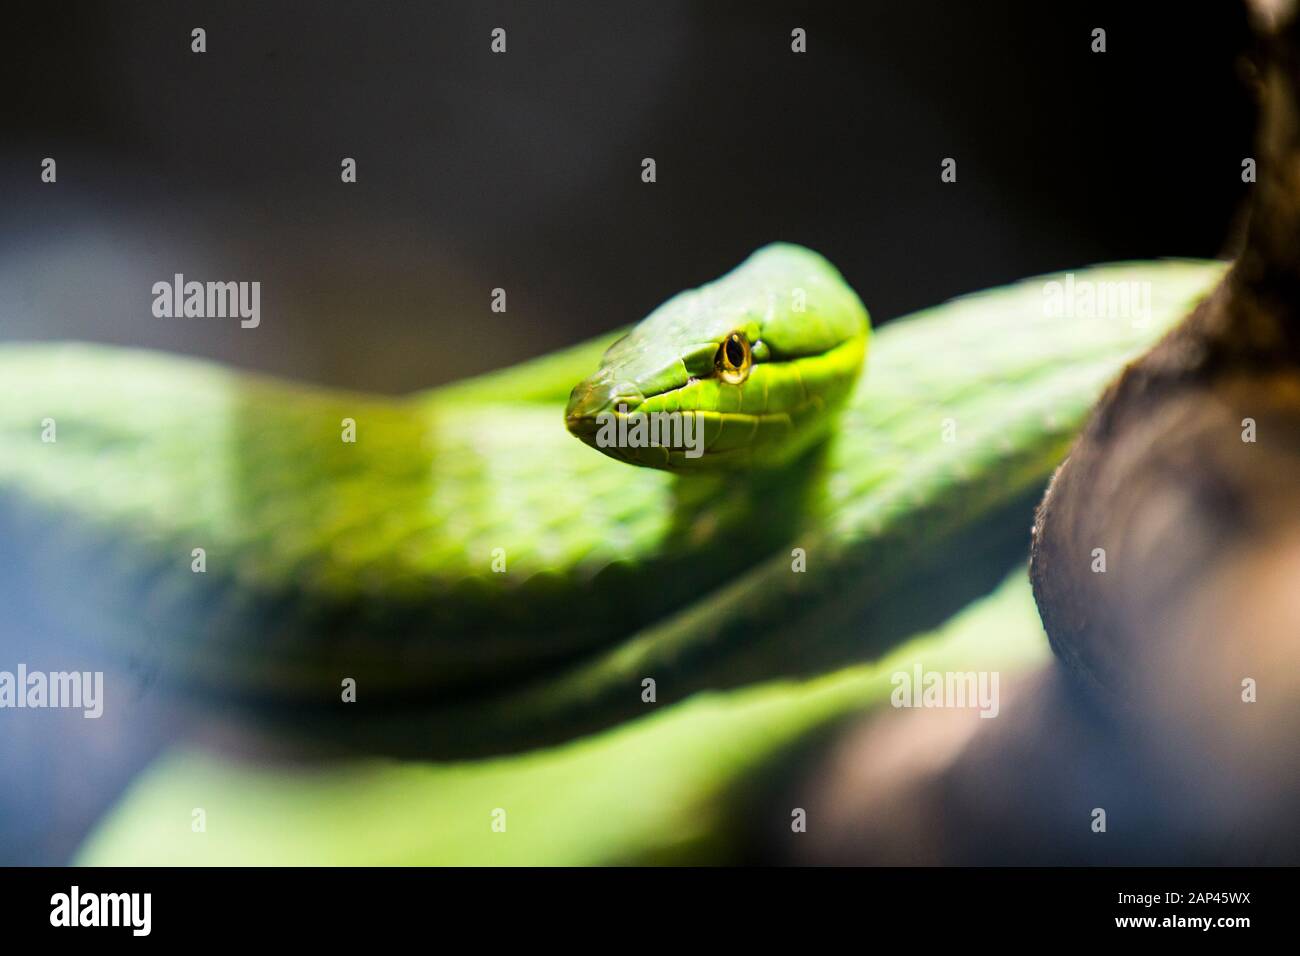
(734,359)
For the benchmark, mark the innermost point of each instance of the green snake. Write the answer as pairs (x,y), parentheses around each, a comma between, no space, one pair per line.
(491,584)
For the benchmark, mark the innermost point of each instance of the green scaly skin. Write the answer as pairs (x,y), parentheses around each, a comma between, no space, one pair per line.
(669,788)
(374,560)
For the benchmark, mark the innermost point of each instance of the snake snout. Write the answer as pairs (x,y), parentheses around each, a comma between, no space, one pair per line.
(594,397)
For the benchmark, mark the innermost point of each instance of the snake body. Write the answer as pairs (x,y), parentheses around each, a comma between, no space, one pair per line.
(490,583)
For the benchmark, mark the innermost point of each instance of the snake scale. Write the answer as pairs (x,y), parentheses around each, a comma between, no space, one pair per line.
(489,582)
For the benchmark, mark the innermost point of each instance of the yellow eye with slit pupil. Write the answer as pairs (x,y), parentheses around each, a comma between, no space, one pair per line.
(735,358)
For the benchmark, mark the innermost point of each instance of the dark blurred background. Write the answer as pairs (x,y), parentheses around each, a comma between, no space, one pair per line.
(522,171)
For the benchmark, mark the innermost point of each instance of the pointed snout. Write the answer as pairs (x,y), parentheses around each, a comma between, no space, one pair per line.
(596,396)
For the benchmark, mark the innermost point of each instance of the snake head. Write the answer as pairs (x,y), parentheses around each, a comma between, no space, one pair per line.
(747,371)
